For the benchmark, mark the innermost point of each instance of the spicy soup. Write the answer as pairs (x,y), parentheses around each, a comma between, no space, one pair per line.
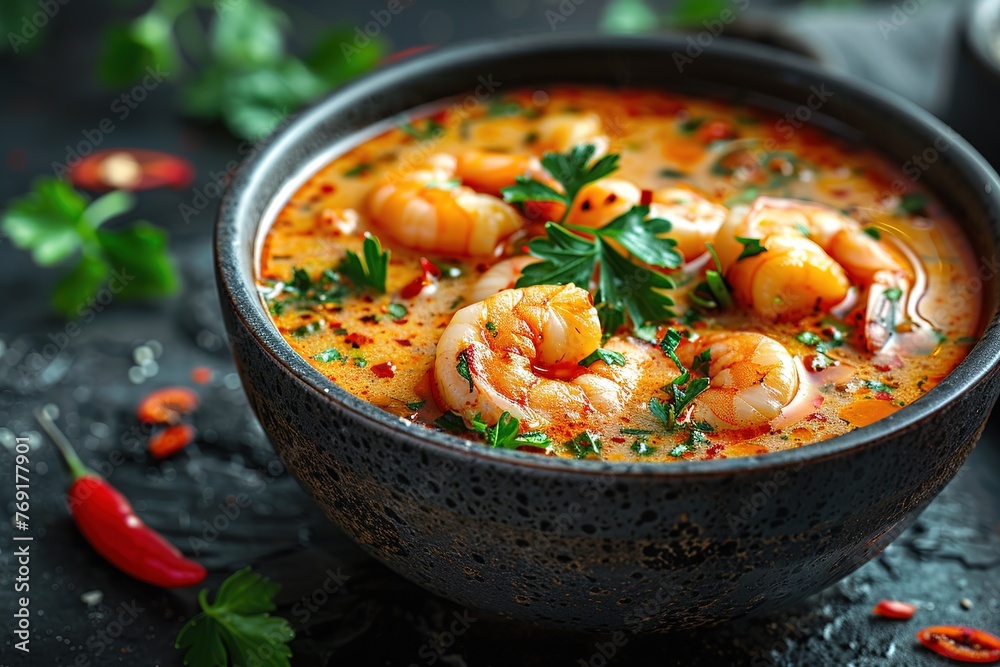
(625,275)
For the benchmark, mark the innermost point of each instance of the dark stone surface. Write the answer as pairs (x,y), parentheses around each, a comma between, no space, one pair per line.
(374,617)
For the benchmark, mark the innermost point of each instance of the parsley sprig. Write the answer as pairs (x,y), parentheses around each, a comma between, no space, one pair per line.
(55,223)
(571,169)
(505,433)
(372,271)
(237,628)
(575,254)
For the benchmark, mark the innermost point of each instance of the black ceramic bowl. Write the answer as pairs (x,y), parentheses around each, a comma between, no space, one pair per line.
(586,544)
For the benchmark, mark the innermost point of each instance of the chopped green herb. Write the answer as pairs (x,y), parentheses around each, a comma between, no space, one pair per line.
(450,422)
(583,445)
(309,328)
(498,109)
(751,247)
(327,356)
(432,130)
(359,361)
(449,184)
(415,405)
(877,387)
(873,232)
(463,367)
(504,435)
(912,203)
(809,338)
(359,169)
(696,438)
(635,431)
(664,412)
(803,229)
(672,173)
(966,340)
(370,273)
(744,197)
(609,357)
(492,328)
(893,294)
(530,138)
(691,125)
(642,448)
(397,311)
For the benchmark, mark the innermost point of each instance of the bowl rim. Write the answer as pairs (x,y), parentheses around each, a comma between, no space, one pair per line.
(236,220)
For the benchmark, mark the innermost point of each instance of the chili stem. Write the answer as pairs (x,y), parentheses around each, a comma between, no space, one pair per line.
(76,466)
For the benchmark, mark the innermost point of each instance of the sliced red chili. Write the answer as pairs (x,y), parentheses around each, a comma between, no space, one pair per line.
(894,609)
(960,643)
(170,440)
(127,169)
(167,405)
(646,198)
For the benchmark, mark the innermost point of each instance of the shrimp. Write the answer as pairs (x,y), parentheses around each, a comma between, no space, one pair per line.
(518,351)
(813,253)
(502,275)
(427,210)
(490,171)
(752,378)
(694,220)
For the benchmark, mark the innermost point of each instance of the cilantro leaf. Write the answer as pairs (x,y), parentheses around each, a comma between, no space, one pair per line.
(54,222)
(370,273)
(583,445)
(642,238)
(751,247)
(326,356)
(431,130)
(237,628)
(505,434)
(610,357)
(463,367)
(571,169)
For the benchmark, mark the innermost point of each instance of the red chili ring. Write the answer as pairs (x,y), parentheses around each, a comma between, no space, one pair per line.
(892,608)
(960,643)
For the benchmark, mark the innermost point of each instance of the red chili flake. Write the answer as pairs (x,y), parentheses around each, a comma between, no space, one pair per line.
(384,370)
(716,130)
(413,288)
(405,342)
(201,375)
(961,643)
(170,440)
(357,340)
(326,188)
(646,198)
(883,396)
(818,417)
(430,268)
(617,439)
(714,450)
(406,53)
(894,609)
(167,405)
(840,192)
(128,169)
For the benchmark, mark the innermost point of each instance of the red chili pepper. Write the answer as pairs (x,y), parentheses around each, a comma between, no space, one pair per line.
(894,609)
(110,525)
(716,130)
(167,405)
(961,643)
(170,440)
(128,169)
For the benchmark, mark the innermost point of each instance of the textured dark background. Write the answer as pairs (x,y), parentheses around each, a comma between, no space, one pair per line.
(346,608)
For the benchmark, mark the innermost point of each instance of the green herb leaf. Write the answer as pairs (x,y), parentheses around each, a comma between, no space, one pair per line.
(360,169)
(504,435)
(370,273)
(671,173)
(751,247)
(571,169)
(492,328)
(873,232)
(326,356)
(397,311)
(309,328)
(642,448)
(237,628)
(609,357)
(877,387)
(584,445)
(893,294)
(912,203)
(415,405)
(463,367)
(431,130)
(451,422)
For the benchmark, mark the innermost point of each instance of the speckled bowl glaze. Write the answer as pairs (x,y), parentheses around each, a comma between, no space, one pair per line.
(585,544)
